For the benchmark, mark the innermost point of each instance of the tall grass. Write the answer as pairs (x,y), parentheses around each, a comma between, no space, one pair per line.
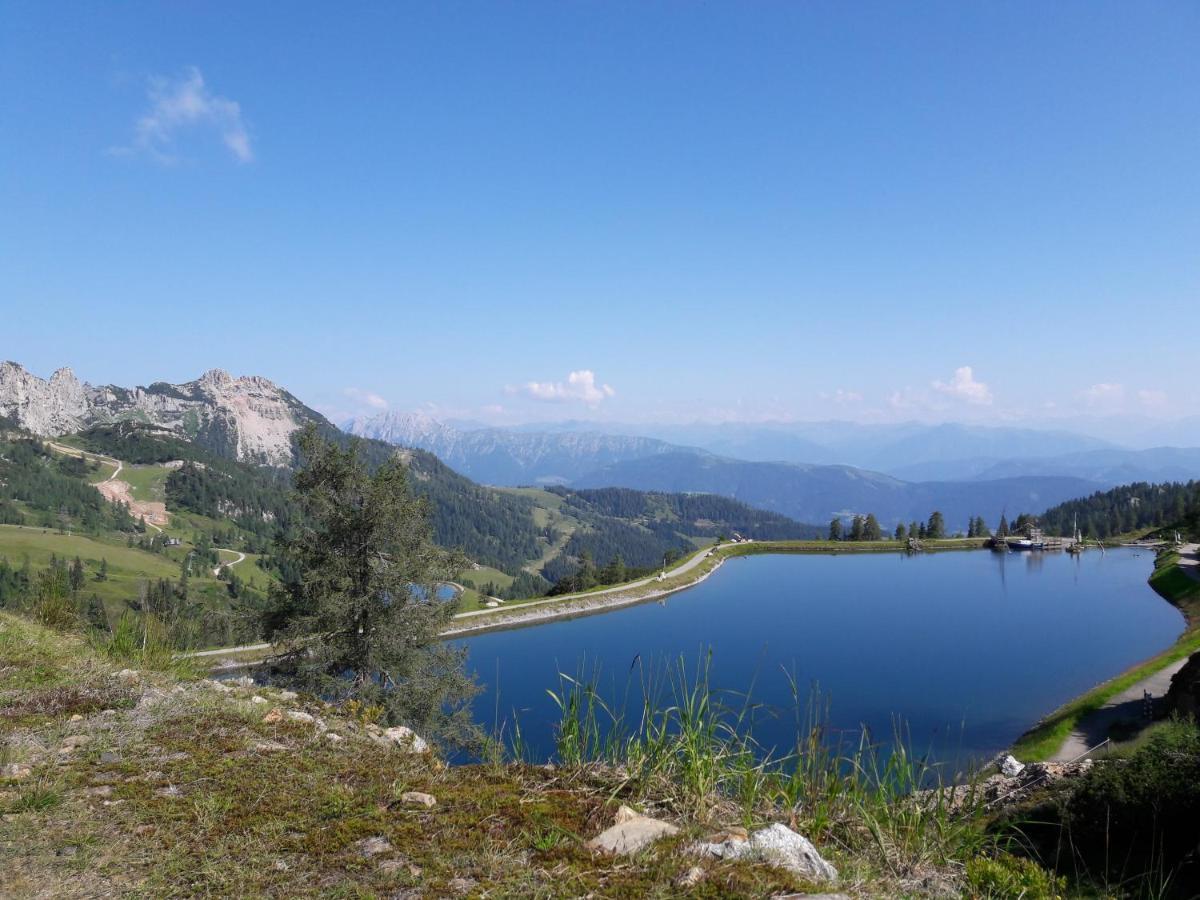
(686,743)
(145,643)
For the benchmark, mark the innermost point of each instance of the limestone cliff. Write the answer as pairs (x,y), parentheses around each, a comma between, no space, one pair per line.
(248,418)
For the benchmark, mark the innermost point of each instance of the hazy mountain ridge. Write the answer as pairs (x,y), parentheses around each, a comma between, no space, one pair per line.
(506,457)
(248,418)
(817,493)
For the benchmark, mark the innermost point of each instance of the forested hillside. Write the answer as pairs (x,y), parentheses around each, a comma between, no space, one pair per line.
(1129,508)
(493,527)
(41,488)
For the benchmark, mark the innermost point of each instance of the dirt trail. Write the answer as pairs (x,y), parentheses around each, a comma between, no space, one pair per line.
(241,557)
(153,513)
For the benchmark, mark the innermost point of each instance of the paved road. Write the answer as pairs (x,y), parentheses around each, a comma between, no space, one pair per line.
(686,566)
(1189,560)
(1126,706)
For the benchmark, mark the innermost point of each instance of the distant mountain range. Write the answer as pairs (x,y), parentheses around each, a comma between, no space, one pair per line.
(1041,468)
(807,471)
(882,448)
(1109,466)
(817,493)
(503,457)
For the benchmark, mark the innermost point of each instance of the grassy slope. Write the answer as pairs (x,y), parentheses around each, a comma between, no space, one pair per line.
(146,482)
(127,567)
(189,792)
(1044,739)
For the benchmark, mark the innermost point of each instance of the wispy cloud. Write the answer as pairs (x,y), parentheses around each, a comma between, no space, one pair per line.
(1105,395)
(182,105)
(963,386)
(580,387)
(365,398)
(841,397)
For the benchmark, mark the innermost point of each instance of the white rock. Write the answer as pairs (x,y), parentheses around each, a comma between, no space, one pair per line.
(244,682)
(334,738)
(1010,766)
(373,846)
(630,835)
(287,695)
(416,798)
(406,739)
(257,699)
(297,716)
(779,846)
(15,771)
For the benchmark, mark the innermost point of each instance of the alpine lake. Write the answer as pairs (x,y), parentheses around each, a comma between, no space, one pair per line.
(958,653)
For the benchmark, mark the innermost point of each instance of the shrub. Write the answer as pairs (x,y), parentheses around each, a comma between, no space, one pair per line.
(1137,815)
(1006,876)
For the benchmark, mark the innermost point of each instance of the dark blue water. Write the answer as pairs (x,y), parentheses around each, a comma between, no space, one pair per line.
(968,649)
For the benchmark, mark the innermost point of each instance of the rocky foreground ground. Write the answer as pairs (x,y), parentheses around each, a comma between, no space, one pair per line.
(118,782)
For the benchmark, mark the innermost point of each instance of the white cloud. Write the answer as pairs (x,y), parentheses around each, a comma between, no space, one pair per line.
(1105,395)
(1153,400)
(580,386)
(365,398)
(841,397)
(187,104)
(963,386)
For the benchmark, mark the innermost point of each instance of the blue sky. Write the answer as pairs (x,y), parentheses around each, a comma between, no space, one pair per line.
(981,212)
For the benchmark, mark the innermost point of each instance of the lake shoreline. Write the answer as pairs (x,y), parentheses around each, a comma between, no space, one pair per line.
(545,610)
(1046,737)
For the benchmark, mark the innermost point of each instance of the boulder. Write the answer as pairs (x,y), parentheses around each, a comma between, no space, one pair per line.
(779,846)
(297,716)
(1183,696)
(1010,766)
(631,834)
(406,739)
(257,699)
(15,771)
(287,695)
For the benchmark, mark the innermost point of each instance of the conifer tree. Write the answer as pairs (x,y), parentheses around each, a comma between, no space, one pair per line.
(363,618)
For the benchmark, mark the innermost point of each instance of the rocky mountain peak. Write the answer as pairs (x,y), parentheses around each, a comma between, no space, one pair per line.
(248,418)
(215,378)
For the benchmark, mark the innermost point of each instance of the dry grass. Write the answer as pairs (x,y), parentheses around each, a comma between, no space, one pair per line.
(165,788)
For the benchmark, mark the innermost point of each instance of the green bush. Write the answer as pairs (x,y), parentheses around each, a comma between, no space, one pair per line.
(1005,876)
(1138,816)
(1131,823)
